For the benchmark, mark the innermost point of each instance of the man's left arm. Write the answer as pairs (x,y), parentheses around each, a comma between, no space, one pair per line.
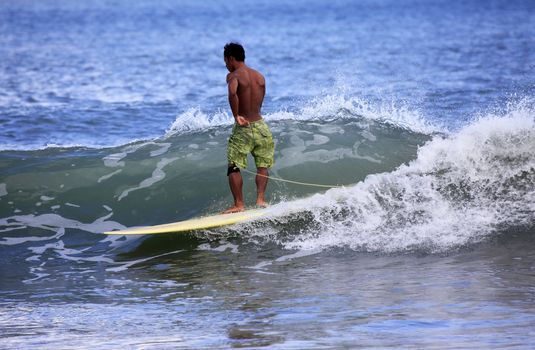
(234,100)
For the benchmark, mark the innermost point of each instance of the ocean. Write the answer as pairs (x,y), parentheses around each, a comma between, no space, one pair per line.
(419,113)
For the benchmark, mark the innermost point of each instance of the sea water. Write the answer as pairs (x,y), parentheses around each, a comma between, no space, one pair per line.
(115,114)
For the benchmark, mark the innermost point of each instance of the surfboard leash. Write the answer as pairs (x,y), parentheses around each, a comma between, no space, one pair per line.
(292,182)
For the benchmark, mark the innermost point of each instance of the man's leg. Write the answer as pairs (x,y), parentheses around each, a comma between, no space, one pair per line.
(261,184)
(235,182)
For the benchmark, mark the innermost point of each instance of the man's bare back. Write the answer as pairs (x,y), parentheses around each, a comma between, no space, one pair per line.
(250,86)
(246,90)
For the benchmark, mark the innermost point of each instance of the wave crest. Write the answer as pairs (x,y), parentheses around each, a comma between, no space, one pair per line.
(459,190)
(326,108)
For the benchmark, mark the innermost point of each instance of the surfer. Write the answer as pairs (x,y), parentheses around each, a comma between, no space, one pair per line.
(250,133)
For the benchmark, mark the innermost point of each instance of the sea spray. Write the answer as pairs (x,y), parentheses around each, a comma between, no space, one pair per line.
(327,108)
(459,190)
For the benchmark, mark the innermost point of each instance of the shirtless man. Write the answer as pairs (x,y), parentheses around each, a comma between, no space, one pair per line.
(250,134)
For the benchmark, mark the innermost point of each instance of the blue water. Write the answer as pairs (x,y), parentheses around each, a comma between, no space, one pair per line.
(115,114)
(102,74)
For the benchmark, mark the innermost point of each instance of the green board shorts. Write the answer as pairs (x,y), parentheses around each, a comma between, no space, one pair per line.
(255,138)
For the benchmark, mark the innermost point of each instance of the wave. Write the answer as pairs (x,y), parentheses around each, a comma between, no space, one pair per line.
(461,189)
(323,109)
(89,144)
(404,191)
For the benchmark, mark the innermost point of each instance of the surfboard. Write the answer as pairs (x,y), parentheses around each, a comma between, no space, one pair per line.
(194,224)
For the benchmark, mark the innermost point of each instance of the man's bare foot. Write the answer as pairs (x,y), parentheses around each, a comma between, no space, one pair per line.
(261,204)
(234,209)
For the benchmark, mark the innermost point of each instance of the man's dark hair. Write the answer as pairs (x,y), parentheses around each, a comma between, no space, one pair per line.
(235,50)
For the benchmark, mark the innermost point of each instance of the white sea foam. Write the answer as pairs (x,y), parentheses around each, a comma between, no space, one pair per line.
(53,222)
(115,160)
(93,144)
(157,175)
(20,240)
(3,190)
(326,108)
(161,150)
(12,228)
(296,255)
(194,120)
(459,190)
(61,252)
(58,224)
(296,152)
(223,247)
(107,176)
(124,265)
(38,274)
(332,107)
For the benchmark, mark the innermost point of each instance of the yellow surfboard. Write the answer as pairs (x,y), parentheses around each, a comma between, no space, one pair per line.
(194,224)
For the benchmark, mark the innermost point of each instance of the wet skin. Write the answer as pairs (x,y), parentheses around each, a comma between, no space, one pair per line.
(246,91)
